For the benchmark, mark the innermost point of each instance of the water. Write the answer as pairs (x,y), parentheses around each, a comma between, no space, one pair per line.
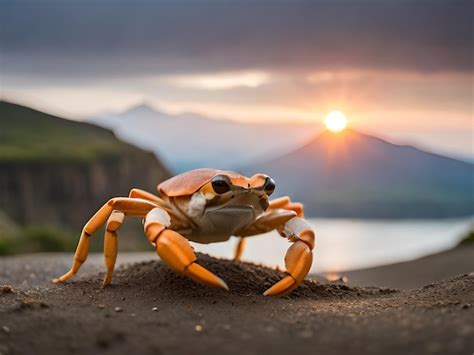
(346,244)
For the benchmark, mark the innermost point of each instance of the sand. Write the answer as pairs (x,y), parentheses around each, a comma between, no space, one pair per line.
(150,310)
(416,273)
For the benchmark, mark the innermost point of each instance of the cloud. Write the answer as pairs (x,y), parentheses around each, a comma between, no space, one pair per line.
(83,39)
(220,81)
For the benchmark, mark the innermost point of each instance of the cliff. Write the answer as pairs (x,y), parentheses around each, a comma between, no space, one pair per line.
(58,172)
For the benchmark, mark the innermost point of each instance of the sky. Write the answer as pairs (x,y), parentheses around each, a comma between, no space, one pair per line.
(400,69)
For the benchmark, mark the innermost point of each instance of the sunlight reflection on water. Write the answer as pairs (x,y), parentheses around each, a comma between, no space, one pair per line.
(344,244)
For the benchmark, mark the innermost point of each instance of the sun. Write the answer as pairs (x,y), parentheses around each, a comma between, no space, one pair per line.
(335,121)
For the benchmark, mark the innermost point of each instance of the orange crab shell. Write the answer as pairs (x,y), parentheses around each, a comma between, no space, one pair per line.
(191,181)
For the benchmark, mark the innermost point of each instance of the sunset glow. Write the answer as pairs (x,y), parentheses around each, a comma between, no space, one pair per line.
(245,70)
(335,121)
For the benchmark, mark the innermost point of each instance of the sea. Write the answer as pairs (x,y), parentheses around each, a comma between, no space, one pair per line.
(349,244)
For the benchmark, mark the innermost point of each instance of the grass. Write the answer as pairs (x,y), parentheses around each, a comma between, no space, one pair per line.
(468,239)
(16,239)
(27,135)
(35,239)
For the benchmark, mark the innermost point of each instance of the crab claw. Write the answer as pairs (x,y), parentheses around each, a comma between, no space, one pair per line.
(298,258)
(204,276)
(178,254)
(283,286)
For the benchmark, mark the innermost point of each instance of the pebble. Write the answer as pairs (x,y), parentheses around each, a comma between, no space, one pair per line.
(466,330)
(466,306)
(306,333)
(6,329)
(198,328)
(434,347)
(6,289)
(270,329)
(101,306)
(246,336)
(118,309)
(155,309)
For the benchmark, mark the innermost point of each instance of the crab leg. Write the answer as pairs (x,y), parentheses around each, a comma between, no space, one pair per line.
(239,249)
(110,243)
(296,207)
(176,251)
(299,256)
(138,193)
(286,204)
(129,206)
(267,222)
(279,202)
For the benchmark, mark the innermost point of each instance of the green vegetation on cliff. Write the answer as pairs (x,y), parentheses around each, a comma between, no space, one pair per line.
(468,239)
(56,172)
(31,136)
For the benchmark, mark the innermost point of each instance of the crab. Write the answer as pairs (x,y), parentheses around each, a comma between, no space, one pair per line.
(204,206)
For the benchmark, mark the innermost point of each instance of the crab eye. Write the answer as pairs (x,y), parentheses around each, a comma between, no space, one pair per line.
(220,184)
(269,186)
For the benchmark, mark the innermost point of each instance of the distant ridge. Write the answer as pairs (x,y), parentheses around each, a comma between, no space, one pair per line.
(352,174)
(188,141)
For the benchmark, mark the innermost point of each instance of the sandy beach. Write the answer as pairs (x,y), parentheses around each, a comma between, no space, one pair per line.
(416,273)
(151,310)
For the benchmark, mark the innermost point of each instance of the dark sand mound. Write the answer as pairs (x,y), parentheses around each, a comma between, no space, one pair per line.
(149,309)
(243,279)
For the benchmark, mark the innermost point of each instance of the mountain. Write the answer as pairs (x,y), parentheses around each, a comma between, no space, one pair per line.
(189,141)
(56,171)
(352,174)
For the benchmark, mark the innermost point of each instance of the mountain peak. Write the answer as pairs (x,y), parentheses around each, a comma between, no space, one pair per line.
(142,108)
(348,133)
(348,139)
(353,174)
